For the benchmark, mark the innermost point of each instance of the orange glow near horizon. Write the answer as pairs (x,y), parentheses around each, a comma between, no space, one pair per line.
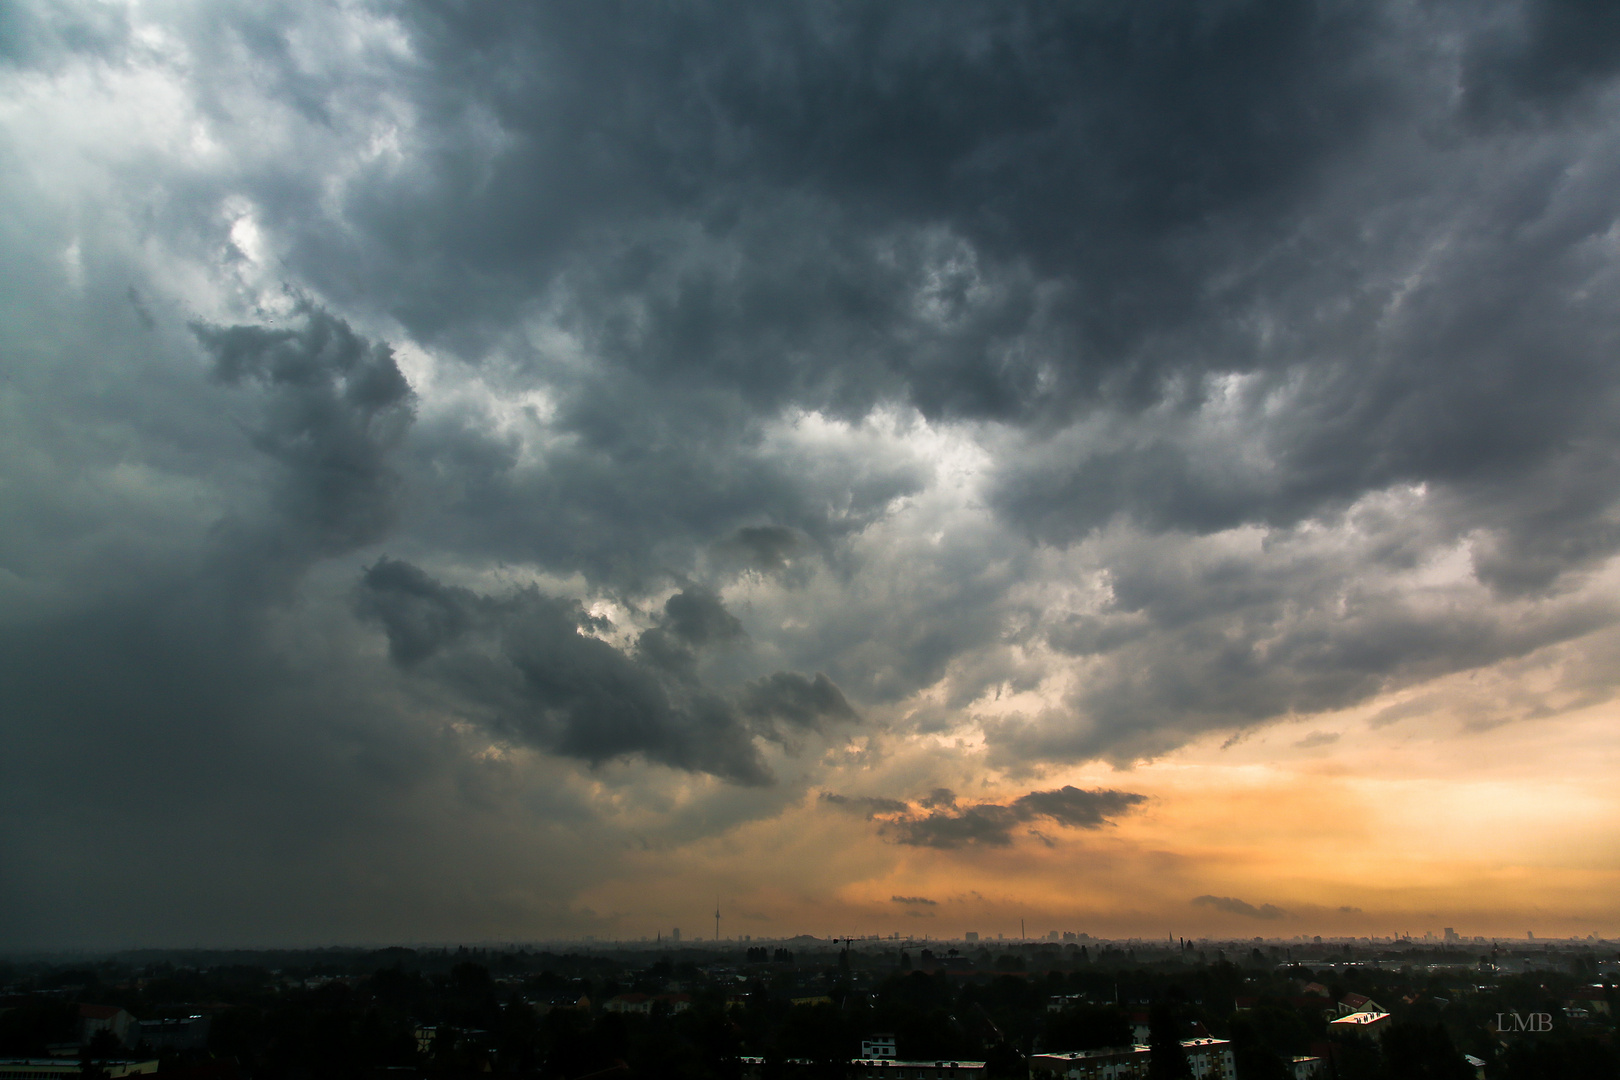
(1402,829)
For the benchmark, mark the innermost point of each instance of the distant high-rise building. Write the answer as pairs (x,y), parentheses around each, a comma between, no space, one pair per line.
(971,935)
(675,935)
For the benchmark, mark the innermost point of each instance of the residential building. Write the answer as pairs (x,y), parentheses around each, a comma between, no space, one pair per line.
(878,1046)
(630,1003)
(180,1033)
(56,1068)
(891,1069)
(94,1019)
(1210,1059)
(1369,1024)
(1108,1063)
(1354,1003)
(644,1003)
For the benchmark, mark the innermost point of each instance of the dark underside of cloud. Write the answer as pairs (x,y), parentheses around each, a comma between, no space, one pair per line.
(528,663)
(1231,905)
(1274,340)
(939,821)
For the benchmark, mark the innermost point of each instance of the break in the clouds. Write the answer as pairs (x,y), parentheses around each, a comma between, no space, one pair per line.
(433,429)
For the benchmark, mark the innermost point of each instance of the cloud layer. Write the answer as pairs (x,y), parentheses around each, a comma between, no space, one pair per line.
(432,424)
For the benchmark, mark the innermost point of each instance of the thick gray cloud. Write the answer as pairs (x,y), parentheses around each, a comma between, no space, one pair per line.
(336,406)
(528,663)
(938,821)
(664,388)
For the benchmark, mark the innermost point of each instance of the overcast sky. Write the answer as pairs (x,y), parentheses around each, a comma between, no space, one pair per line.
(492,471)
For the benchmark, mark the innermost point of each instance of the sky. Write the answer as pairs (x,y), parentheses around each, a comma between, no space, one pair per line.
(476,471)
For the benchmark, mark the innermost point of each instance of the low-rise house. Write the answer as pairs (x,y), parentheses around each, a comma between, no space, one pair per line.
(180,1033)
(94,1019)
(1305,1067)
(1368,1024)
(879,1046)
(1586,1003)
(645,1003)
(1354,1003)
(630,1003)
(894,1069)
(1209,1059)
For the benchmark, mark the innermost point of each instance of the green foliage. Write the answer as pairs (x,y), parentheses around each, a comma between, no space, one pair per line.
(1086,1027)
(1578,1058)
(27,1028)
(1168,1060)
(1416,1051)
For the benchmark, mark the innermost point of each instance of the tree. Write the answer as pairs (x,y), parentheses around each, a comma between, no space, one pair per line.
(1086,1027)
(1422,1052)
(1168,1060)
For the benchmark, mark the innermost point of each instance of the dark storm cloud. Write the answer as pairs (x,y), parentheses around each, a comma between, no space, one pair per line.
(1233,906)
(1336,277)
(871,806)
(769,548)
(696,616)
(1025,214)
(641,480)
(988,211)
(1074,808)
(1554,51)
(164,687)
(336,406)
(527,665)
(914,900)
(937,821)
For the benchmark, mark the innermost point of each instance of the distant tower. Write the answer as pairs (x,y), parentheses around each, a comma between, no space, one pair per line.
(717,918)
(675,935)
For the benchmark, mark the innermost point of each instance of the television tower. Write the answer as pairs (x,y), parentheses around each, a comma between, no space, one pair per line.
(717,918)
